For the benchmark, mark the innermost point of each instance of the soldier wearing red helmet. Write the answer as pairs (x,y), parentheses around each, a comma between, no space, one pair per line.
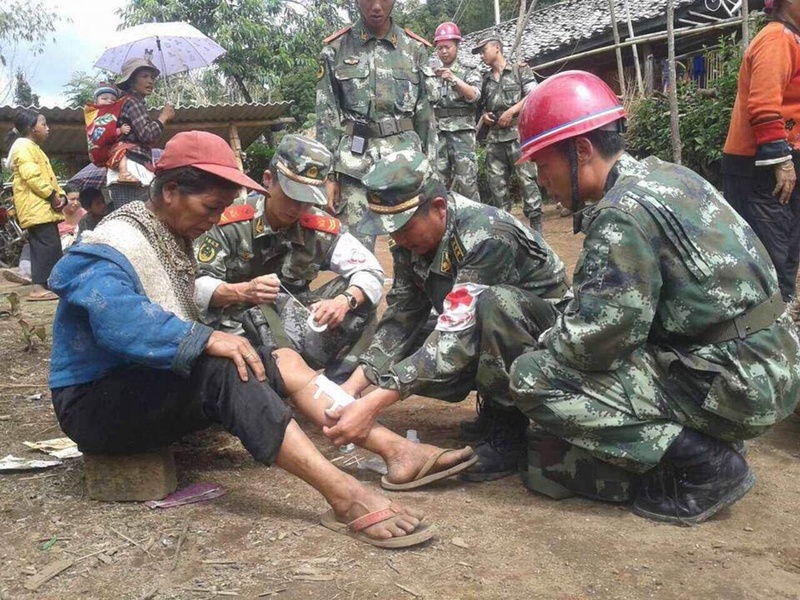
(457,162)
(676,343)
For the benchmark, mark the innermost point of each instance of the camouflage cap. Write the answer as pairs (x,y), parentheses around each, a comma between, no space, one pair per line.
(303,165)
(477,48)
(396,186)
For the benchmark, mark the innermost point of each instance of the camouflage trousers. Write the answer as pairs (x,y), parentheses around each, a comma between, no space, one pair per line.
(457,162)
(352,208)
(509,323)
(627,417)
(335,350)
(500,159)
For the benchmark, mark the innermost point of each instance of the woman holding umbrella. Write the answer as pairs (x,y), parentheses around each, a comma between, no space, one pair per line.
(137,80)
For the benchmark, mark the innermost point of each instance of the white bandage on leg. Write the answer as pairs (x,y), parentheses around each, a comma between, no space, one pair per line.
(338,395)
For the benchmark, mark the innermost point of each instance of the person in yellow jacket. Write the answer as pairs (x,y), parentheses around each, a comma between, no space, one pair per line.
(37,197)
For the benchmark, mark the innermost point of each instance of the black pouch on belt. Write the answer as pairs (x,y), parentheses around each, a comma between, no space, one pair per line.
(360,137)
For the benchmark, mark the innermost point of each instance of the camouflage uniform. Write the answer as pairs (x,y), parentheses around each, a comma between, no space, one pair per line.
(640,352)
(244,246)
(502,144)
(486,281)
(457,163)
(386,82)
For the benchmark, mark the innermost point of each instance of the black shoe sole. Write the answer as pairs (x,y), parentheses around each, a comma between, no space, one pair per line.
(736,494)
(478,477)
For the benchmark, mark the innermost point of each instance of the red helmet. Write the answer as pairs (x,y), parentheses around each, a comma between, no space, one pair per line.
(447,31)
(564,106)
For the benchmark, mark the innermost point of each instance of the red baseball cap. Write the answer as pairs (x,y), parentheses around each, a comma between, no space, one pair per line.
(207,152)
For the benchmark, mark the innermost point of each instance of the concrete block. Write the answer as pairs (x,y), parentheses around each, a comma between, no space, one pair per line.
(131,477)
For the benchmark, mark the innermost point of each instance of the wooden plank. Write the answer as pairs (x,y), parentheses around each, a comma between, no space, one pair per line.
(46,574)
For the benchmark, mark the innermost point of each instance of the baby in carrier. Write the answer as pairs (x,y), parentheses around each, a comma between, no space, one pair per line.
(103,132)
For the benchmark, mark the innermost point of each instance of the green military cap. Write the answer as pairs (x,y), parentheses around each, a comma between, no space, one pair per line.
(479,46)
(396,186)
(303,165)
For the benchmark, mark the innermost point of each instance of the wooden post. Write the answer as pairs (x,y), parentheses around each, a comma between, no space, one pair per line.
(675,133)
(649,69)
(745,24)
(635,50)
(617,49)
(236,144)
(522,23)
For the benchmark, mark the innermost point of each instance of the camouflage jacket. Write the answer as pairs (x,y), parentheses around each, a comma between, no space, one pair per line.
(360,76)
(664,258)
(240,250)
(449,98)
(481,247)
(498,96)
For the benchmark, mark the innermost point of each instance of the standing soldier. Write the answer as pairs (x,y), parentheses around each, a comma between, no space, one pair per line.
(455,115)
(372,100)
(502,96)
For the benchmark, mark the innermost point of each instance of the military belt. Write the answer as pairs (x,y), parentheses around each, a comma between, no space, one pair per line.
(751,321)
(384,128)
(464,111)
(556,292)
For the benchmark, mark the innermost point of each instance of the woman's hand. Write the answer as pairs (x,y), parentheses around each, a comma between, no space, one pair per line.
(167,114)
(239,350)
(785,178)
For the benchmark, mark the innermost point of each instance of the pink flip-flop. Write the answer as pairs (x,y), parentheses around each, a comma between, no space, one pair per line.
(355,529)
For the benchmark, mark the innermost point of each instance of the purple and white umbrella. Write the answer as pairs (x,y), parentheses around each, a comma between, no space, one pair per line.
(172,47)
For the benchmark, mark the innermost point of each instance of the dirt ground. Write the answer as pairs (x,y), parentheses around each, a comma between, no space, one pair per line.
(262,540)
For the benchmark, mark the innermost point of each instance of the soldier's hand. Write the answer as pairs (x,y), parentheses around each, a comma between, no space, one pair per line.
(333,188)
(261,290)
(445,74)
(330,312)
(239,350)
(785,178)
(488,120)
(353,423)
(505,119)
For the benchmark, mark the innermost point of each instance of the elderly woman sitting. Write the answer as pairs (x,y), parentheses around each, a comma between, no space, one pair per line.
(133,370)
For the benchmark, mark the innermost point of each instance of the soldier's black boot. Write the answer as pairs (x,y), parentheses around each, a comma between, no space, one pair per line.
(504,449)
(536,223)
(478,428)
(698,476)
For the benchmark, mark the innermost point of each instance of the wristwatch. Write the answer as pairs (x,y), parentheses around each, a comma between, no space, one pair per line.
(352,302)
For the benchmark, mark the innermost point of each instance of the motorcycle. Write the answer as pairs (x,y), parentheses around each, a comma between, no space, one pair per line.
(12,236)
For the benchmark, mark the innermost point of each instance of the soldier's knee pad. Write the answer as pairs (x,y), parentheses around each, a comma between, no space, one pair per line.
(560,470)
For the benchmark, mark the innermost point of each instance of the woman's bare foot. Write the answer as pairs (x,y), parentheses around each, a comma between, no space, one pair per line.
(125,177)
(362,501)
(405,464)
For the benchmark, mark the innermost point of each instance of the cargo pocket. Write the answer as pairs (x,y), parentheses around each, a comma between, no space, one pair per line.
(354,83)
(406,89)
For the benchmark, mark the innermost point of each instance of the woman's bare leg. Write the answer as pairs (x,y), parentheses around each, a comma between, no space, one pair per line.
(404,458)
(348,498)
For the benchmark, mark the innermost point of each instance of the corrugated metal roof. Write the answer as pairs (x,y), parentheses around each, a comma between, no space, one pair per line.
(68,134)
(575,25)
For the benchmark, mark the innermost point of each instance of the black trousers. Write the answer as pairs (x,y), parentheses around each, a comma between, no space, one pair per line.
(139,409)
(45,244)
(776,225)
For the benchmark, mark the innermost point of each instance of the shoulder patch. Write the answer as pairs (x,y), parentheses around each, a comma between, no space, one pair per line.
(322,223)
(236,213)
(457,248)
(418,37)
(337,35)
(207,250)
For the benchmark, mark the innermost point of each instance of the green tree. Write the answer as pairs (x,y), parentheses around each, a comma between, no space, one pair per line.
(23,94)
(264,39)
(80,87)
(30,21)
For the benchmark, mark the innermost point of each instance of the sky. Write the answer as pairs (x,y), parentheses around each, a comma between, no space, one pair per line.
(78,44)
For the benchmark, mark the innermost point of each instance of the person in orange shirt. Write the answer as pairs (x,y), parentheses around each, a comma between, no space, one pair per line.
(762,151)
